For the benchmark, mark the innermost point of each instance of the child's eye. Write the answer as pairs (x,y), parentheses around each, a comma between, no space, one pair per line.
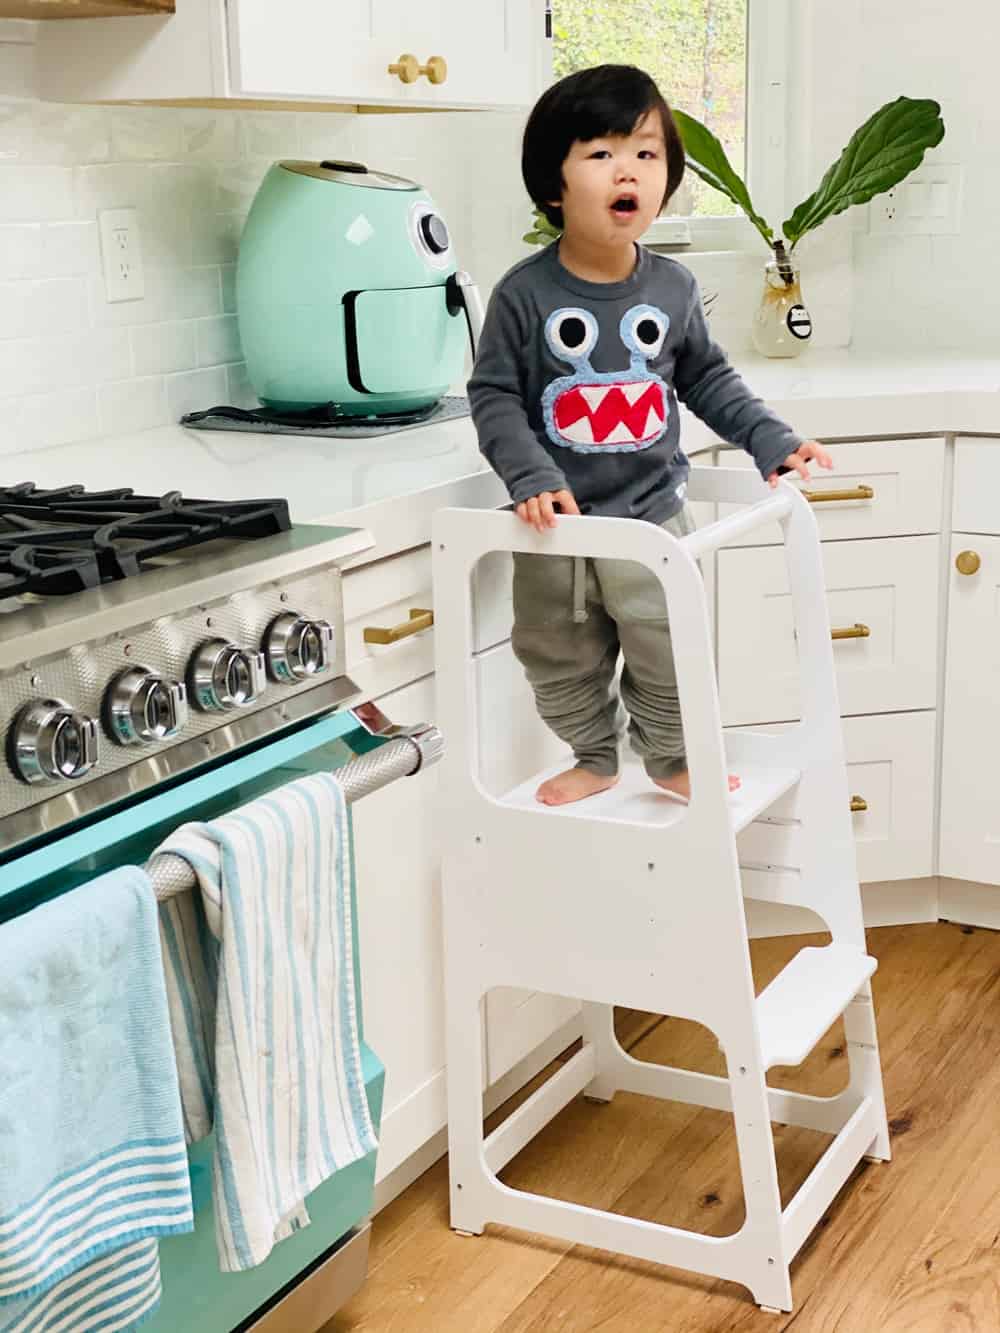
(600,152)
(649,152)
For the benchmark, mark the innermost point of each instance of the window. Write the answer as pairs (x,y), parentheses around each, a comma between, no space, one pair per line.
(721,61)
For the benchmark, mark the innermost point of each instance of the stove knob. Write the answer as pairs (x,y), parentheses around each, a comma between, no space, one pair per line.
(141,705)
(296,648)
(51,742)
(222,676)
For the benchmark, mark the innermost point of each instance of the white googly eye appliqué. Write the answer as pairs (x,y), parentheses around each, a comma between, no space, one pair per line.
(571,333)
(643,329)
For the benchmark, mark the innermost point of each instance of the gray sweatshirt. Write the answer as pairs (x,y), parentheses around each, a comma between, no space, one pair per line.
(576,384)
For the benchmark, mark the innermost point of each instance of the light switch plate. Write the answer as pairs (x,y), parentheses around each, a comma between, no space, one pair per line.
(121,254)
(927,203)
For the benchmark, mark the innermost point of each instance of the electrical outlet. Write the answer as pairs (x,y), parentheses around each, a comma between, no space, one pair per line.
(927,203)
(121,253)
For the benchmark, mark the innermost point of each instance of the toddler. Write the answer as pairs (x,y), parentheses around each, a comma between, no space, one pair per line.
(586,348)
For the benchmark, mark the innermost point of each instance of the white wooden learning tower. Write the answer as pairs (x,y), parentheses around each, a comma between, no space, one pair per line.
(632,899)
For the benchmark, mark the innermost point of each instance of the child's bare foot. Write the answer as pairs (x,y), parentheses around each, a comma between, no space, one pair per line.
(574,785)
(679,785)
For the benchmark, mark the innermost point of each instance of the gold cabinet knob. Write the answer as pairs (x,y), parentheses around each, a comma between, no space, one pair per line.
(408,69)
(436,69)
(967,562)
(858,803)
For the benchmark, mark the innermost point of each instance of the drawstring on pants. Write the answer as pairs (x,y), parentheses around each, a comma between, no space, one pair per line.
(579,589)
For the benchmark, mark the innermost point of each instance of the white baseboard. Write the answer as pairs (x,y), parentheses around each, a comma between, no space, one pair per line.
(970,904)
(885,903)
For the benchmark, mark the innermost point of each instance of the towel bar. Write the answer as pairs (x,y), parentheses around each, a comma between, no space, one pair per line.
(416,748)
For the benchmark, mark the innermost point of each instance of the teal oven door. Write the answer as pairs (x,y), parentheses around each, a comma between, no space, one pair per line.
(197,1297)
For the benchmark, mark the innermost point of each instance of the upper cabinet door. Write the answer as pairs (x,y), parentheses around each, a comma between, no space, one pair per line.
(486,51)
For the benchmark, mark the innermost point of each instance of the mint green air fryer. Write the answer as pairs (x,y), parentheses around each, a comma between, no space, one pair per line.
(347,293)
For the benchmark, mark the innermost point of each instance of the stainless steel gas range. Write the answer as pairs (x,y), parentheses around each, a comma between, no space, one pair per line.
(142,636)
(165,659)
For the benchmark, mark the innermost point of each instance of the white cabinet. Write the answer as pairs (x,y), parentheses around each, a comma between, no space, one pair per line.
(300,50)
(970,810)
(883,592)
(890,775)
(310,48)
(878,488)
(398,867)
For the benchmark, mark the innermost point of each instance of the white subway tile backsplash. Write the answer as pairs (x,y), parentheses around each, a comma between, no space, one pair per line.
(147,134)
(131,405)
(240,391)
(218,341)
(42,365)
(189,293)
(30,309)
(20,250)
(70,249)
(35,194)
(228,273)
(164,348)
(42,421)
(195,391)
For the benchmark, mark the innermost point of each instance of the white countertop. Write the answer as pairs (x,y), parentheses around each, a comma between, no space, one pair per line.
(827,394)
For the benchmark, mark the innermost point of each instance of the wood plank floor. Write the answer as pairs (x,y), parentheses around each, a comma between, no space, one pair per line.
(908,1247)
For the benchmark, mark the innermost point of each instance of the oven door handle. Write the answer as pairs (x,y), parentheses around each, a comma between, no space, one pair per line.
(410,752)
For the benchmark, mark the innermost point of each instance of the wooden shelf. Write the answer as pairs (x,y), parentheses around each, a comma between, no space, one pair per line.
(82,9)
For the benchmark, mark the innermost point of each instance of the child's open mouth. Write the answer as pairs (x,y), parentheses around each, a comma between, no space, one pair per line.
(627,204)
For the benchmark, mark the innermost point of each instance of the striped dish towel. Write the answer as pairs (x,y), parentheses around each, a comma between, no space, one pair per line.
(93,1165)
(260,982)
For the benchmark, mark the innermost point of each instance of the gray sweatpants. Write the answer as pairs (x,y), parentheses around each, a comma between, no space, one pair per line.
(571,619)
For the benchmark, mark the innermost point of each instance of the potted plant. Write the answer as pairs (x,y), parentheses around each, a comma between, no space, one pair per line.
(886,148)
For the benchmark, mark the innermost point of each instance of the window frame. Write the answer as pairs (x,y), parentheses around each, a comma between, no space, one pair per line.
(769,40)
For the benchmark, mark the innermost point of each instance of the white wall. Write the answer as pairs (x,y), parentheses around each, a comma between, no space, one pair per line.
(918,291)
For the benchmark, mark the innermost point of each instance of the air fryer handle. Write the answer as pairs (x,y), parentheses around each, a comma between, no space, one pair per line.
(463,295)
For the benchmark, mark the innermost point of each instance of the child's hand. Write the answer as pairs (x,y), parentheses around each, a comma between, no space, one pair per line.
(798,460)
(540,510)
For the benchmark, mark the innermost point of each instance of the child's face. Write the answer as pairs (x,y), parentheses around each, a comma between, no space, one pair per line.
(613,187)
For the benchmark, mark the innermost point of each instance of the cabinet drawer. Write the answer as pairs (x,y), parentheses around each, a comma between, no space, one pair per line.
(890,587)
(893,489)
(977,485)
(890,767)
(382,595)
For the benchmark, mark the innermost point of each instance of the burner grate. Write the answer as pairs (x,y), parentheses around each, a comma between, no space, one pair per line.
(61,541)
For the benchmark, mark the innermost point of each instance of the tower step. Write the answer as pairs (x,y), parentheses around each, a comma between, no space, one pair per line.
(806,997)
(636,800)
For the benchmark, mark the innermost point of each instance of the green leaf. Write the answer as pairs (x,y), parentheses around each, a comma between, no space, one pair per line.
(887,147)
(707,159)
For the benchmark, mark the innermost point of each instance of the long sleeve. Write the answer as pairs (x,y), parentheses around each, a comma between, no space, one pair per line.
(706,383)
(496,398)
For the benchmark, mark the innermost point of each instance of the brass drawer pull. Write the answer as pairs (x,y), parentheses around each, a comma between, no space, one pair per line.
(824,497)
(408,69)
(967,562)
(419,620)
(858,803)
(851,632)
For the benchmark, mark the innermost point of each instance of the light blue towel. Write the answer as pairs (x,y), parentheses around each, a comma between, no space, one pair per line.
(260,981)
(93,1165)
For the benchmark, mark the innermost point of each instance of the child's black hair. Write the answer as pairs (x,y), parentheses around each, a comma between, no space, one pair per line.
(593,103)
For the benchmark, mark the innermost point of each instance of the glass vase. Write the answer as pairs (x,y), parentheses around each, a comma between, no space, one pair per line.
(782,325)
